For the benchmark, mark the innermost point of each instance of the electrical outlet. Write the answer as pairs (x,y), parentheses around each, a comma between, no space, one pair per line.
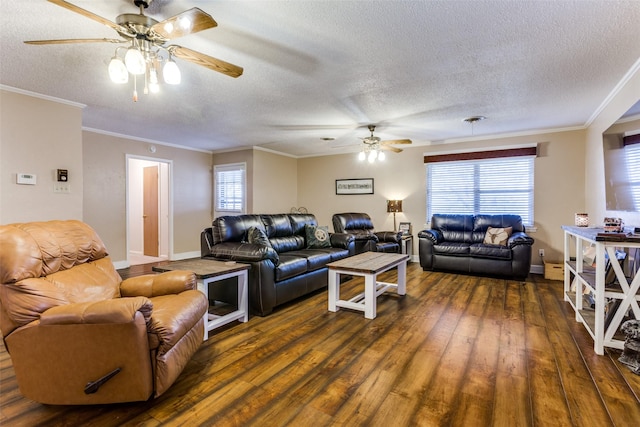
(541,252)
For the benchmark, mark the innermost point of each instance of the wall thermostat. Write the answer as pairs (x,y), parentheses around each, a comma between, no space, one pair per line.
(63,175)
(26,179)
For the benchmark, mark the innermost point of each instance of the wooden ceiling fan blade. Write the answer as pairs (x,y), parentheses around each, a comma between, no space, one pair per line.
(69,41)
(188,22)
(390,148)
(91,15)
(205,60)
(395,141)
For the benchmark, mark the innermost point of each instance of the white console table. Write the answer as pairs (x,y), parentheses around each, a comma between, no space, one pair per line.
(593,279)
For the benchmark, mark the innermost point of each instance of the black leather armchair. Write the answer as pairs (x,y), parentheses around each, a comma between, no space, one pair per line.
(366,238)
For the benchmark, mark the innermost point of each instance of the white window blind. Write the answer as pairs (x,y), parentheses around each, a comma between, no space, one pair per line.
(484,186)
(632,156)
(230,187)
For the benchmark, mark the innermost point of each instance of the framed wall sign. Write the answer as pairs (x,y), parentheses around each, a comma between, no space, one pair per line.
(354,186)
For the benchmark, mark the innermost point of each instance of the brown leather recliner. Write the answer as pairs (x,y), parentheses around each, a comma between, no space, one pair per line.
(77,333)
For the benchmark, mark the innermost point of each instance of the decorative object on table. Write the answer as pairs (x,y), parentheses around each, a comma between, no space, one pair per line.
(582,220)
(394,206)
(354,186)
(405,228)
(631,354)
(613,225)
(147,46)
(300,210)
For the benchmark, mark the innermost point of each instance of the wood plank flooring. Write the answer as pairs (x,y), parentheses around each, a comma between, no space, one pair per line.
(455,351)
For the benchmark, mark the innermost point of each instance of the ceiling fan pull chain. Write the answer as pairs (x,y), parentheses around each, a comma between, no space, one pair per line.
(135,88)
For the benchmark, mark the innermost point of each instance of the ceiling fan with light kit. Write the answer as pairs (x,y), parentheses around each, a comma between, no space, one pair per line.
(147,50)
(374,148)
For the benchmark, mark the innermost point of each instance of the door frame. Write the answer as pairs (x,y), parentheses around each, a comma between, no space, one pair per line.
(169,196)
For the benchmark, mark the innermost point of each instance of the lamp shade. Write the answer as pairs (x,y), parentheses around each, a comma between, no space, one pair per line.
(171,73)
(394,205)
(135,61)
(118,71)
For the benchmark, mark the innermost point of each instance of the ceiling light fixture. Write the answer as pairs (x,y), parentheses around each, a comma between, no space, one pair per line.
(146,49)
(144,58)
(473,120)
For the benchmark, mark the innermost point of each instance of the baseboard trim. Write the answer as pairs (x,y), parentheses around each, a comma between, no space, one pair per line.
(537,269)
(185,255)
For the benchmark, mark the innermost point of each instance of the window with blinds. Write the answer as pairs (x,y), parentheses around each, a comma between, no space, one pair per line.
(632,157)
(491,184)
(230,188)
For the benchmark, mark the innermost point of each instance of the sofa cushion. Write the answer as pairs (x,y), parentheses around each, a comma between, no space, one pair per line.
(298,222)
(287,243)
(497,236)
(317,236)
(316,258)
(480,250)
(452,248)
(290,266)
(277,225)
(233,228)
(454,228)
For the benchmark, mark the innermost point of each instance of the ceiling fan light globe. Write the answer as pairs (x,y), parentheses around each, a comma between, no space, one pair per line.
(185,23)
(118,71)
(372,156)
(134,61)
(361,156)
(381,156)
(171,73)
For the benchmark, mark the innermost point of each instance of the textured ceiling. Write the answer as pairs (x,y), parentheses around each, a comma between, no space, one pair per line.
(315,69)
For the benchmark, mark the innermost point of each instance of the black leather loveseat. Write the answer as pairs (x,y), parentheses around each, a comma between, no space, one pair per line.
(287,253)
(461,243)
(366,238)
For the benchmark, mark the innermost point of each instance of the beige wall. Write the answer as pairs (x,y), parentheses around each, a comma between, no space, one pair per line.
(39,136)
(105,191)
(559,185)
(276,176)
(626,95)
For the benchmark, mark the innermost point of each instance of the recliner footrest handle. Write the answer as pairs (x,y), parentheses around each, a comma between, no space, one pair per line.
(93,386)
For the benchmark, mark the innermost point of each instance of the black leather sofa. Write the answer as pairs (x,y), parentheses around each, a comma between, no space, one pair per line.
(283,266)
(457,243)
(360,226)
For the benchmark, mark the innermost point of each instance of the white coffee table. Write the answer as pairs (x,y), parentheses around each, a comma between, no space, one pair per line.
(368,265)
(209,271)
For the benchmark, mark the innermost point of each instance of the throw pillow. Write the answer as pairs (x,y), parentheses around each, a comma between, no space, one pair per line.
(317,236)
(497,236)
(257,236)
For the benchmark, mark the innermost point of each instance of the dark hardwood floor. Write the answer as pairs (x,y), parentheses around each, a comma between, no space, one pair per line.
(455,351)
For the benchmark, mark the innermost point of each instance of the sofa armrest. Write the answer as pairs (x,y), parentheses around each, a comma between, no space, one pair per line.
(341,240)
(519,238)
(244,252)
(153,285)
(118,310)
(433,235)
(389,236)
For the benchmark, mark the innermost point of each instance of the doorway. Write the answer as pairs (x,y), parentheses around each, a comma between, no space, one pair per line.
(148,213)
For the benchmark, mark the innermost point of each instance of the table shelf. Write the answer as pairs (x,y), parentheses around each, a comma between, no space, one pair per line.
(604,319)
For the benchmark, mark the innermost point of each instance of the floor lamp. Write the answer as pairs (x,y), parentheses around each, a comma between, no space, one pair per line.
(394,206)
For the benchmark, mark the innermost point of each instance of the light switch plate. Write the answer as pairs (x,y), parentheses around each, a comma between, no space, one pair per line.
(61,187)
